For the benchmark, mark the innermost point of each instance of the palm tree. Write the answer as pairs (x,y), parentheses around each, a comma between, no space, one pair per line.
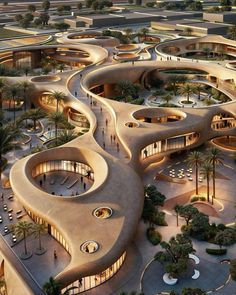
(22,230)
(46,70)
(7,138)
(56,118)
(174,80)
(167,98)
(198,88)
(27,88)
(208,101)
(53,64)
(26,70)
(128,33)
(13,91)
(214,157)
(2,88)
(52,287)
(187,90)
(206,50)
(206,172)
(124,87)
(37,230)
(34,115)
(66,136)
(195,160)
(58,96)
(143,33)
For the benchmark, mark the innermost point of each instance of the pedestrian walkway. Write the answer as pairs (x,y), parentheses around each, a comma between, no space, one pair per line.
(105,133)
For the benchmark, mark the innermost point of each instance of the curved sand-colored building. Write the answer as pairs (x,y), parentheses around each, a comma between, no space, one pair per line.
(98,245)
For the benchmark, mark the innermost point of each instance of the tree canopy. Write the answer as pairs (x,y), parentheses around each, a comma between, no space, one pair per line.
(176,254)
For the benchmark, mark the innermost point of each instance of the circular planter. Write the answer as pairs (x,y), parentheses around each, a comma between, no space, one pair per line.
(24,256)
(40,251)
(126,57)
(185,102)
(132,124)
(89,247)
(45,79)
(127,47)
(102,212)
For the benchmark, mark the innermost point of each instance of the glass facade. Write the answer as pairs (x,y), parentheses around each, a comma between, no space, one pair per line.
(29,59)
(51,230)
(84,284)
(63,165)
(47,99)
(22,59)
(99,90)
(163,119)
(79,118)
(169,144)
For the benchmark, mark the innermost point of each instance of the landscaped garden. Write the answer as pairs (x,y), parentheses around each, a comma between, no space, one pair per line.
(169,90)
(177,261)
(20,123)
(206,53)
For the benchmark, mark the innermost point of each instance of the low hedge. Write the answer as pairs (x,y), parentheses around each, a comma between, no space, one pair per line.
(216,251)
(196,199)
(153,236)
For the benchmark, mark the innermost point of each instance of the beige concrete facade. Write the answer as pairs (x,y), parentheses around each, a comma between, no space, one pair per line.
(117,184)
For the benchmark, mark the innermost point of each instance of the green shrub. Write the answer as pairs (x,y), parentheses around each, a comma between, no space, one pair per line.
(159,219)
(216,251)
(186,229)
(221,226)
(194,199)
(138,101)
(153,236)
(150,4)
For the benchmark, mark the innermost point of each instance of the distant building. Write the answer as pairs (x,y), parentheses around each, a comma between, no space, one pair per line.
(224,17)
(127,18)
(199,28)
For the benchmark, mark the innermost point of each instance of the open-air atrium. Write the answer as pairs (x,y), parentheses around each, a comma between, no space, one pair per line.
(117,160)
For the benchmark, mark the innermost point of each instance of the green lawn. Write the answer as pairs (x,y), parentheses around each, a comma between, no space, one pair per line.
(4,33)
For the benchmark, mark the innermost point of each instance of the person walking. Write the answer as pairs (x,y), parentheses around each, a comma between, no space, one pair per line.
(103,132)
(111,138)
(117,147)
(55,254)
(84,186)
(106,122)
(104,145)
(89,174)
